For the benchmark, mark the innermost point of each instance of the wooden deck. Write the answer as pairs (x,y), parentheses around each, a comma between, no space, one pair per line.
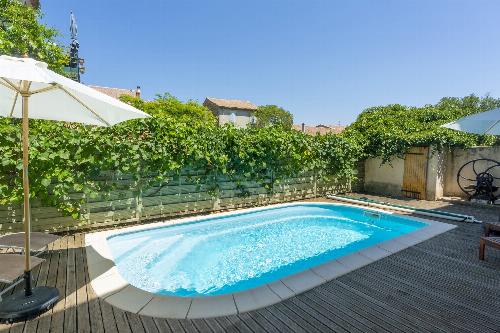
(437,286)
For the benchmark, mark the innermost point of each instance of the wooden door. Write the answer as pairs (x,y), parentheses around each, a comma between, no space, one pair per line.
(415,172)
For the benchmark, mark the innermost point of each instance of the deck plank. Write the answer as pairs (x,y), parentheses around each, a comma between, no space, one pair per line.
(70,300)
(240,325)
(298,316)
(175,325)
(364,309)
(135,322)
(149,325)
(332,310)
(447,296)
(82,305)
(45,319)
(214,325)
(58,312)
(39,279)
(226,325)
(162,325)
(399,300)
(95,314)
(110,324)
(201,325)
(267,326)
(121,321)
(253,324)
(188,326)
(432,304)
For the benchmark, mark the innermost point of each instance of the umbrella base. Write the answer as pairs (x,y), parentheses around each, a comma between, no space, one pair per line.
(18,306)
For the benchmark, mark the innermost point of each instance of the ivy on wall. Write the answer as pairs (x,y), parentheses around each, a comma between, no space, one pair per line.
(387,131)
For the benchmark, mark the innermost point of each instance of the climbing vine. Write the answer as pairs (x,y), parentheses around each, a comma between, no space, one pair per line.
(67,160)
(386,131)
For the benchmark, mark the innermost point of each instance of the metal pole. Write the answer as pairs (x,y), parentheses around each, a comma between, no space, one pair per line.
(26,188)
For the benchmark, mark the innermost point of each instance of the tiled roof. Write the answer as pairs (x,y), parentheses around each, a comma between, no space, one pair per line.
(230,103)
(32,3)
(321,129)
(115,92)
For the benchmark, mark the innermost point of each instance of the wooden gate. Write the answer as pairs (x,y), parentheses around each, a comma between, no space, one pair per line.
(415,173)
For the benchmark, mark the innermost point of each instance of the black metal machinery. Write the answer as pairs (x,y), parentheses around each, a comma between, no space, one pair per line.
(480,179)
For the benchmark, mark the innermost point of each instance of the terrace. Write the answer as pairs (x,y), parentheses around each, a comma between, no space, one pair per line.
(438,285)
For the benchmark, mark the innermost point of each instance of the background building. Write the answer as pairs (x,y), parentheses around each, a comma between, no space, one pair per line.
(32,3)
(321,129)
(117,92)
(234,111)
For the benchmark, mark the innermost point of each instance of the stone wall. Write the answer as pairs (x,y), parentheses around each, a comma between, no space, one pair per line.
(442,169)
(458,157)
(384,178)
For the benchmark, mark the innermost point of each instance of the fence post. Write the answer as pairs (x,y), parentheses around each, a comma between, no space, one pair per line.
(85,211)
(179,182)
(138,200)
(216,198)
(315,183)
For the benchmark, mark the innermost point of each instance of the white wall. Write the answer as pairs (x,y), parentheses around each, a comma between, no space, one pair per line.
(458,157)
(436,166)
(442,169)
(384,178)
(241,117)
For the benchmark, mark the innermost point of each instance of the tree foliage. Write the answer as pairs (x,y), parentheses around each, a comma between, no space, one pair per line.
(273,115)
(385,131)
(167,105)
(21,34)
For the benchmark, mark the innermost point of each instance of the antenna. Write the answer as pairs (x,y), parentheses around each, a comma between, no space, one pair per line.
(76,64)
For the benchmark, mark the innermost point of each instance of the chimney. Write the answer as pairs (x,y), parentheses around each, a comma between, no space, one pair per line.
(138,92)
(303,127)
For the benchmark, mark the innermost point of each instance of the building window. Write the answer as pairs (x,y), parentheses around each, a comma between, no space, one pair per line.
(233,118)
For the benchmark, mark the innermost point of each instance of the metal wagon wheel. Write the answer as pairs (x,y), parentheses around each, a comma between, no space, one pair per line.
(485,177)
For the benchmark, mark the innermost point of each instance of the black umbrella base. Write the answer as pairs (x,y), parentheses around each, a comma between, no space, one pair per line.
(18,306)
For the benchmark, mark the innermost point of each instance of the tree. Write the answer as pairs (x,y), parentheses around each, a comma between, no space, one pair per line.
(273,115)
(169,106)
(21,34)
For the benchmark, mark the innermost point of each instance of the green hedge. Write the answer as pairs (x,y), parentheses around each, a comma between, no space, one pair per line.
(65,158)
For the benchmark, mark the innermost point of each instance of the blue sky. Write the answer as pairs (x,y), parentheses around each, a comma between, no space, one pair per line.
(324,61)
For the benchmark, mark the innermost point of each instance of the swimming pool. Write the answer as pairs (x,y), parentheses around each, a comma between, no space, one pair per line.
(234,262)
(221,255)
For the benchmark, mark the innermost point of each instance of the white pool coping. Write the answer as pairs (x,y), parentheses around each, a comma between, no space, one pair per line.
(109,285)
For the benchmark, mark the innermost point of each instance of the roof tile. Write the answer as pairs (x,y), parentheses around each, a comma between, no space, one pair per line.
(230,103)
(321,129)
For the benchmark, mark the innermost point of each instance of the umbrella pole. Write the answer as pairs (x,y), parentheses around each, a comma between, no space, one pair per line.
(26,188)
(32,301)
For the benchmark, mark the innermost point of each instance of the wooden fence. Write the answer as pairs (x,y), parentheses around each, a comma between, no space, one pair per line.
(182,194)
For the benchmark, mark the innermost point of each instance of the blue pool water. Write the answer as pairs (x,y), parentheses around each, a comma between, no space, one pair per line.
(222,255)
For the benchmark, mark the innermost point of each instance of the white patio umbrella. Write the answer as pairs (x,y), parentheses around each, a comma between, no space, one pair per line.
(51,97)
(480,123)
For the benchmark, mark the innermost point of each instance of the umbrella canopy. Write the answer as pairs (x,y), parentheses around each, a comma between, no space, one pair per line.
(29,90)
(480,123)
(55,97)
